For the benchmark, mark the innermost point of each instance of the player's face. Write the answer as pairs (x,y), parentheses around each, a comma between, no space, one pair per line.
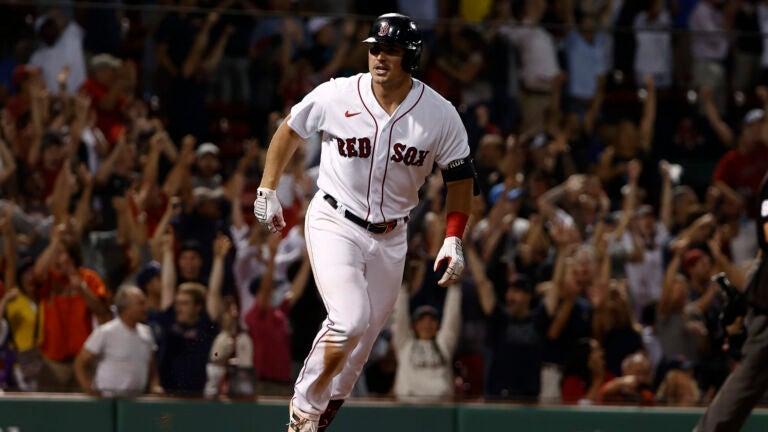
(385,62)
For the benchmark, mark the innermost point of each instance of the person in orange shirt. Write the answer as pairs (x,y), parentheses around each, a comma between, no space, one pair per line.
(71,297)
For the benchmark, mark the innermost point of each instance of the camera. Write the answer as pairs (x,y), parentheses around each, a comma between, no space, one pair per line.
(736,303)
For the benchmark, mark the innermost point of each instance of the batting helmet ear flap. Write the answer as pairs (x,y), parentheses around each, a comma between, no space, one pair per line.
(411,59)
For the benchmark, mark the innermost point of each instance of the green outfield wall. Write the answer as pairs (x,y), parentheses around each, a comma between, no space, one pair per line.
(56,414)
(68,414)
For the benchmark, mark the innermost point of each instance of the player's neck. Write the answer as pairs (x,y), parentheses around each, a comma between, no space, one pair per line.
(391,95)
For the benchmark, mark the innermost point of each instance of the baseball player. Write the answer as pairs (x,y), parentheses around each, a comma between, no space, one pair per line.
(382,132)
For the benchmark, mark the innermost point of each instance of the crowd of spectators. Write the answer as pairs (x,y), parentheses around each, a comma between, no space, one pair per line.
(618,157)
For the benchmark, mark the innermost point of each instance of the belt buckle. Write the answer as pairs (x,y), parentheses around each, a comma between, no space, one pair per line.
(383,228)
(374,228)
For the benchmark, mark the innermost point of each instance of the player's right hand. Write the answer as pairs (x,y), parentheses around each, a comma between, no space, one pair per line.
(268,211)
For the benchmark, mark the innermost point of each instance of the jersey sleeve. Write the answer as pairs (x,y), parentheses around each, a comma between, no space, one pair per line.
(307,116)
(453,144)
(95,341)
(94,283)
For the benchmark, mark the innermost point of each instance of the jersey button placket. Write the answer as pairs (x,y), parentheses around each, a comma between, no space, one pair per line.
(379,168)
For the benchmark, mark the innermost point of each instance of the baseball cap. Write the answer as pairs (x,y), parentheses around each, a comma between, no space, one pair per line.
(424,310)
(753,116)
(191,245)
(681,190)
(691,258)
(149,271)
(611,218)
(105,60)
(207,148)
(681,364)
(538,141)
(22,73)
(316,23)
(113,134)
(40,21)
(644,210)
(51,138)
(522,283)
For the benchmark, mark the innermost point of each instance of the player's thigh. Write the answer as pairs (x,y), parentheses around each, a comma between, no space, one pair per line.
(338,263)
(385,275)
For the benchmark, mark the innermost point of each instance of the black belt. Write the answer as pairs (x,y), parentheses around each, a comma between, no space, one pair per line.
(536,91)
(376,228)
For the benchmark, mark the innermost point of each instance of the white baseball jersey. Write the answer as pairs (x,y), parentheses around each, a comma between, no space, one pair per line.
(372,162)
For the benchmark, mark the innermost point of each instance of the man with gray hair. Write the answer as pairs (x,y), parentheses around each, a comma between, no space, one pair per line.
(123,349)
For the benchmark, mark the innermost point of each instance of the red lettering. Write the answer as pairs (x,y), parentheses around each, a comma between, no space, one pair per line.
(398,149)
(364,147)
(351,151)
(422,156)
(340,143)
(410,156)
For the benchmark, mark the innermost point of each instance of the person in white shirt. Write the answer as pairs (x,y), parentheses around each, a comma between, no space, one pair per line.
(61,48)
(709,48)
(424,346)
(123,349)
(653,54)
(539,68)
(762,19)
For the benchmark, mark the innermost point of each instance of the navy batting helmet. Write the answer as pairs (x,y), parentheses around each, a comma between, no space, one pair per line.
(398,30)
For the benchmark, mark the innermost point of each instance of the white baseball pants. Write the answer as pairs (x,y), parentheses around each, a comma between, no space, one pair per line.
(358,275)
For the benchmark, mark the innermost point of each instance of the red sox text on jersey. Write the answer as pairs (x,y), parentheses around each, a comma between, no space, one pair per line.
(361,147)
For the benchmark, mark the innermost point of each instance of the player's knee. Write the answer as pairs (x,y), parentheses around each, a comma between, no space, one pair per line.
(352,325)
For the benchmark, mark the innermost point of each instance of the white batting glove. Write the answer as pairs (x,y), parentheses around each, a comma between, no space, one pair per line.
(268,211)
(452,252)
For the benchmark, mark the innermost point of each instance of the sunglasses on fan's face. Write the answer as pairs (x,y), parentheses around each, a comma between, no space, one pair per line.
(389,50)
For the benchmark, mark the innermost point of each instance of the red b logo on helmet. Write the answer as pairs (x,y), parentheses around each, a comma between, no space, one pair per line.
(384,29)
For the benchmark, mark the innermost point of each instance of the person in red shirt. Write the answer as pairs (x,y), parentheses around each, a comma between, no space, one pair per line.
(24,77)
(71,297)
(110,86)
(739,172)
(584,372)
(268,325)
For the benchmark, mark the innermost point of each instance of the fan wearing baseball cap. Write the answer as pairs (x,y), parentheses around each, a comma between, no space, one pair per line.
(513,339)
(739,172)
(110,85)
(424,344)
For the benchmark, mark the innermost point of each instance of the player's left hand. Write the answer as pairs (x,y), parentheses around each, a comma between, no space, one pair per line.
(451,252)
